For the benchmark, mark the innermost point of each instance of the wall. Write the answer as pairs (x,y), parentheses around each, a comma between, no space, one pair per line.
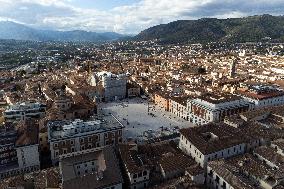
(28,156)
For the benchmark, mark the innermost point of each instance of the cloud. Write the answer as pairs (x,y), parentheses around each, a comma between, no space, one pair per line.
(132,18)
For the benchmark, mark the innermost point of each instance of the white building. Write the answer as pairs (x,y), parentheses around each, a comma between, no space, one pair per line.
(27,154)
(178,107)
(93,168)
(114,85)
(221,176)
(214,108)
(247,171)
(211,142)
(73,136)
(262,95)
(23,111)
(138,173)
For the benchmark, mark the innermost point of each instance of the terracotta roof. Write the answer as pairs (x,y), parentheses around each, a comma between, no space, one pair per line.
(227,172)
(111,175)
(270,154)
(27,133)
(175,162)
(227,137)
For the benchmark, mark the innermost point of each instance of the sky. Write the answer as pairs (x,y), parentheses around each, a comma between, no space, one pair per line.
(126,16)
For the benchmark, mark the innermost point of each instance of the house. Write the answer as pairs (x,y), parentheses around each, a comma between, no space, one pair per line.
(212,141)
(92,168)
(212,107)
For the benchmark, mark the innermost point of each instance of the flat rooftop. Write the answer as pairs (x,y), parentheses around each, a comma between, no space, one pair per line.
(25,106)
(66,129)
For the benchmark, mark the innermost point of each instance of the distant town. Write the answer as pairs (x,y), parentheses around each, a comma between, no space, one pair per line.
(141,114)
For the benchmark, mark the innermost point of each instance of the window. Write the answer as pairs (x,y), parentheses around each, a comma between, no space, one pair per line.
(217,179)
(89,139)
(72,149)
(140,174)
(83,147)
(224,185)
(210,173)
(55,145)
(56,153)
(144,173)
(72,142)
(135,176)
(81,140)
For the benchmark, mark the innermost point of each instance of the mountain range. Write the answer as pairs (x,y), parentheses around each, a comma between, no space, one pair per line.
(12,30)
(235,30)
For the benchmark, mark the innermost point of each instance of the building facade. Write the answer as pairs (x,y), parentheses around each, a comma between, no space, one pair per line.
(262,95)
(24,152)
(8,137)
(214,108)
(114,86)
(92,168)
(211,142)
(21,112)
(68,137)
(162,101)
(178,107)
